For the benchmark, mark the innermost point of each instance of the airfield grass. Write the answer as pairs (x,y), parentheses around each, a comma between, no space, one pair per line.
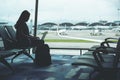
(67,40)
(73,40)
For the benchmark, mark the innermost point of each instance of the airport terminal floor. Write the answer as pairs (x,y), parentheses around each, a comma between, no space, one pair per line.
(60,69)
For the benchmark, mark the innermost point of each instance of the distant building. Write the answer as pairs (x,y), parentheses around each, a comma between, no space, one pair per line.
(3,23)
(117,22)
(103,21)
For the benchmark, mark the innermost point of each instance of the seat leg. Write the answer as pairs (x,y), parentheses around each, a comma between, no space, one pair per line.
(27,54)
(2,60)
(15,56)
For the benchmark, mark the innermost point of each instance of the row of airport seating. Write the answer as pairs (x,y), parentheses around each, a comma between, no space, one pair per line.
(103,58)
(10,47)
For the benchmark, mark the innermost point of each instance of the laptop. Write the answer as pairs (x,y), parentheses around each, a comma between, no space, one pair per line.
(44,34)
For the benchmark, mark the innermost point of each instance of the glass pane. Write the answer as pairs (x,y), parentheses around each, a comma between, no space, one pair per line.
(11,10)
(69,23)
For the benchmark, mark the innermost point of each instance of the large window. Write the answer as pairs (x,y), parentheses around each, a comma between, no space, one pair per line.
(69,23)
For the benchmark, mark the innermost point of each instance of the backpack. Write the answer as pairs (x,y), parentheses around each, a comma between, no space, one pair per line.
(42,56)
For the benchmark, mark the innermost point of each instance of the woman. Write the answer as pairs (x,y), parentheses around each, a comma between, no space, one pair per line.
(42,53)
(22,32)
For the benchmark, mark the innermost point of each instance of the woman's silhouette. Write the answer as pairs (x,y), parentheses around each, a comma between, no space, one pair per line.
(42,52)
(22,32)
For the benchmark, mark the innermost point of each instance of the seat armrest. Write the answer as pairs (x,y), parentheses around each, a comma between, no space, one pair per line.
(110,38)
(106,43)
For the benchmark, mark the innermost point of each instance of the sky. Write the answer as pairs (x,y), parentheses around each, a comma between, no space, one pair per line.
(62,10)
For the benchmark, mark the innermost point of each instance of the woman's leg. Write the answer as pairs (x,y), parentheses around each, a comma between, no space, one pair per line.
(37,42)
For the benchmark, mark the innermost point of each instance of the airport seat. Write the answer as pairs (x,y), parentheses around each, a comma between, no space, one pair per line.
(109,53)
(106,43)
(103,46)
(8,35)
(104,68)
(5,53)
(26,50)
(107,56)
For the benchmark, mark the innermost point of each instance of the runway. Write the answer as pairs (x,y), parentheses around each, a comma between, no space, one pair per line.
(80,34)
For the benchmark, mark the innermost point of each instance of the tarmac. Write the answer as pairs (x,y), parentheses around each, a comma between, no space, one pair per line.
(79,34)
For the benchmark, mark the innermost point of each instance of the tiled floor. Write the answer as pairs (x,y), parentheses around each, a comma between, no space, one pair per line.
(60,69)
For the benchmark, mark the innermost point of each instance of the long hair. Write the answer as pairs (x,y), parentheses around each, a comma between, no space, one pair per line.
(23,18)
